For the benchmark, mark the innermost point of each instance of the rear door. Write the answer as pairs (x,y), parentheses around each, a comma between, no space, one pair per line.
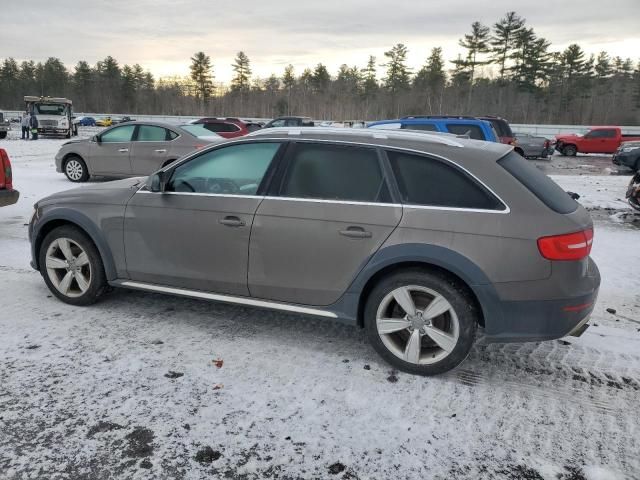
(110,156)
(330,210)
(150,148)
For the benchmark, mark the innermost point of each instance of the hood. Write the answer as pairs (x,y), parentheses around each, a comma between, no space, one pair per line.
(117,192)
(568,135)
(76,141)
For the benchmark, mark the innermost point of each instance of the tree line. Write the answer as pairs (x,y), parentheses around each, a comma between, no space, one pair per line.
(507,69)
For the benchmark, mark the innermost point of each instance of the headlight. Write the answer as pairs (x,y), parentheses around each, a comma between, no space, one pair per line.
(629,149)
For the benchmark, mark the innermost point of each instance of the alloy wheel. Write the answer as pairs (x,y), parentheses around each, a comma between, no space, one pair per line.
(68,267)
(417,324)
(74,169)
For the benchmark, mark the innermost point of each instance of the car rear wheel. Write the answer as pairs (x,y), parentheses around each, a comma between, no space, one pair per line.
(421,322)
(71,266)
(75,169)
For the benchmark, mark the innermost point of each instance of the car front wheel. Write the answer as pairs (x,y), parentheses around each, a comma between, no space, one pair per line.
(71,266)
(75,169)
(421,322)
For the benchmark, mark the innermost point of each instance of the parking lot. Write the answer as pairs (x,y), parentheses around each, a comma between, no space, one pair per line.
(149,386)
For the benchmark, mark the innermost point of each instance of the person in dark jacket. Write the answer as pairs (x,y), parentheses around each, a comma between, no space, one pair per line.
(33,123)
(25,126)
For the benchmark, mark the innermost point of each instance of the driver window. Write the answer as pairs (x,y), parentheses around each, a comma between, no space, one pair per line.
(118,134)
(233,170)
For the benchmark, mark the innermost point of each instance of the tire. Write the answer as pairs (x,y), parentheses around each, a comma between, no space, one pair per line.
(569,150)
(75,169)
(455,316)
(71,266)
(3,135)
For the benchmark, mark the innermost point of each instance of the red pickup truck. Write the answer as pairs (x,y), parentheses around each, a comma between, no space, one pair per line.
(8,196)
(596,140)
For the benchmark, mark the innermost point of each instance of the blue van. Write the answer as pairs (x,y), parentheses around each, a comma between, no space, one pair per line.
(473,127)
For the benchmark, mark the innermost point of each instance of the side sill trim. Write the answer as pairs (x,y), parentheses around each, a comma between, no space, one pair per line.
(223,298)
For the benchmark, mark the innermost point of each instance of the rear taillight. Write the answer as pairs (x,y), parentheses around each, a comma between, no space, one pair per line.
(547,143)
(571,246)
(5,164)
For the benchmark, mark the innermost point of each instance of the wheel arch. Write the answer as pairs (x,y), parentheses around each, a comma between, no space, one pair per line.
(85,225)
(430,258)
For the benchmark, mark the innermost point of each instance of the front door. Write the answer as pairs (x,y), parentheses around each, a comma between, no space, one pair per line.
(150,149)
(601,141)
(195,235)
(331,212)
(110,156)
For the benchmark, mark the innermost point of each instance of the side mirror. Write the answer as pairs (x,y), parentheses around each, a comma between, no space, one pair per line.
(157,181)
(96,138)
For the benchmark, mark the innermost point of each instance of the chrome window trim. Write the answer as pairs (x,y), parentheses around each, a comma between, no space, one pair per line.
(265,138)
(225,298)
(196,194)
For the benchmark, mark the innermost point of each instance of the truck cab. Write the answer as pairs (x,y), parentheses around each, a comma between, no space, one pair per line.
(595,140)
(55,115)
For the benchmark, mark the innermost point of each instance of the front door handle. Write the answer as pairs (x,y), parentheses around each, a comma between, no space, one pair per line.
(161,150)
(355,232)
(232,221)
(123,150)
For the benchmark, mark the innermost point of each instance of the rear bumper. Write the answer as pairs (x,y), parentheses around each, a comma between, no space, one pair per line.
(8,197)
(533,320)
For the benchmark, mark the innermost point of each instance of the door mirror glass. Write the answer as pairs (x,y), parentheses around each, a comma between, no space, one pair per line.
(95,138)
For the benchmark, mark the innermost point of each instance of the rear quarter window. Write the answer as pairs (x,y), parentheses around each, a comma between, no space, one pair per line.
(430,182)
(474,131)
(547,191)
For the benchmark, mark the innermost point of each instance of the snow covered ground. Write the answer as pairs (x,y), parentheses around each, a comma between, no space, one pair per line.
(150,386)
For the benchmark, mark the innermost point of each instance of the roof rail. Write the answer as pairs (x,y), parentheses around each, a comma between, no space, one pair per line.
(460,117)
(433,137)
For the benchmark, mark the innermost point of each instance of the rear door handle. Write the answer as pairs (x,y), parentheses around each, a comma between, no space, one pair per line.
(123,150)
(161,150)
(355,232)
(232,221)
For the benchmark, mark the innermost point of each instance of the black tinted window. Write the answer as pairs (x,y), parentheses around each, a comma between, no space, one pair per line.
(473,131)
(333,172)
(427,181)
(501,127)
(425,126)
(601,134)
(538,183)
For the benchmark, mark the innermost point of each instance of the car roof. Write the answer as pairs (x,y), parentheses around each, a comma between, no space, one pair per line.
(423,120)
(436,143)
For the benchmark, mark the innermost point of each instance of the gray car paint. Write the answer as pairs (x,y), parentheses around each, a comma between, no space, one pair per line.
(494,252)
(125,159)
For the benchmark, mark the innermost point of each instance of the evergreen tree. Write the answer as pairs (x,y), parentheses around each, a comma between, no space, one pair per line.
(398,73)
(242,68)
(202,76)
(503,40)
(289,81)
(320,78)
(369,80)
(603,68)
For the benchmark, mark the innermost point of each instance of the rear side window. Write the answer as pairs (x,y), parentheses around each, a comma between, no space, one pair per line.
(151,133)
(429,127)
(333,172)
(431,182)
(501,127)
(538,183)
(474,131)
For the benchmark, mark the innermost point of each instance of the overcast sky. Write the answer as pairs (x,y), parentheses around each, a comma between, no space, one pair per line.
(162,35)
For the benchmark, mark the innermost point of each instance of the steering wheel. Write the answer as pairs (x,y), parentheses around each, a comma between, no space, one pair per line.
(221,185)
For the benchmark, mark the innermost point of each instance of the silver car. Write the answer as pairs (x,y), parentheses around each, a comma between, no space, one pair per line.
(418,238)
(130,149)
(533,146)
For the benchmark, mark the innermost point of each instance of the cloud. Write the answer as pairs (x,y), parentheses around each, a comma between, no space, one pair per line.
(162,35)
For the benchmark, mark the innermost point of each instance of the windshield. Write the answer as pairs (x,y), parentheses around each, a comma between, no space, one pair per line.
(198,130)
(50,109)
